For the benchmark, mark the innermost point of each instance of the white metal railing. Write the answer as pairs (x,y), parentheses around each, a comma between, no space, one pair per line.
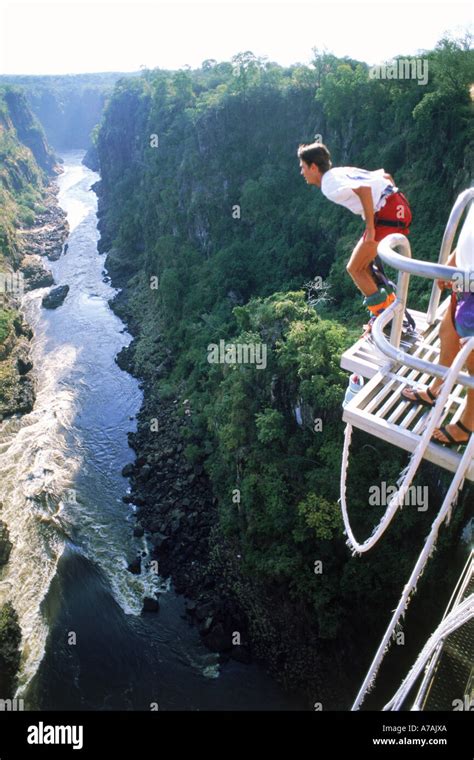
(407,266)
(461,203)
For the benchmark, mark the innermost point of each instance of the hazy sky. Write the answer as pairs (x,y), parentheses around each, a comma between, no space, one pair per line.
(69,37)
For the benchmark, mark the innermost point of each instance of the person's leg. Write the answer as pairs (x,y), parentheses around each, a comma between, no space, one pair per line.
(449,348)
(467,417)
(358,267)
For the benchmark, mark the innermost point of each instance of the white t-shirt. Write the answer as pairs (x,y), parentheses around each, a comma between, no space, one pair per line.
(465,246)
(338,185)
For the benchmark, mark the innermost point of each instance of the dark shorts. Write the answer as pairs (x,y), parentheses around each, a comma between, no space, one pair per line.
(396,208)
(462,314)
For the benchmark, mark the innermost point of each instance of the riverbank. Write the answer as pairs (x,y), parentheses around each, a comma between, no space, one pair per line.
(23,270)
(237,617)
(44,239)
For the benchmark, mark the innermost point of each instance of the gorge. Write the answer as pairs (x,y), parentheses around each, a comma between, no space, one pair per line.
(234,493)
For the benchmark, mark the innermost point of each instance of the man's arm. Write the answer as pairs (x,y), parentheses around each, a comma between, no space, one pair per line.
(365,195)
(450,262)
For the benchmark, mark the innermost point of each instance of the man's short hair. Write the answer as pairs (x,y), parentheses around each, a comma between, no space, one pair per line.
(315,153)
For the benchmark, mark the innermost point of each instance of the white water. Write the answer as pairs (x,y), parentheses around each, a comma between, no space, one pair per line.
(46,469)
(62,492)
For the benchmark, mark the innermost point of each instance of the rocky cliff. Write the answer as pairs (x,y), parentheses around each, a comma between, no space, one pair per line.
(211,233)
(31,227)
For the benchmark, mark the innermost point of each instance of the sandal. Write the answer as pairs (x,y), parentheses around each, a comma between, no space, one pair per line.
(419,399)
(452,441)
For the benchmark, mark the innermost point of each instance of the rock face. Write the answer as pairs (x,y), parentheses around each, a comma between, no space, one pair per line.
(35,273)
(10,655)
(91,159)
(31,223)
(29,130)
(46,237)
(150,604)
(17,387)
(178,512)
(22,356)
(55,297)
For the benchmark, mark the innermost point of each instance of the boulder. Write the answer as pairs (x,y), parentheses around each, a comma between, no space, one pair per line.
(36,276)
(190,606)
(135,566)
(159,539)
(241,653)
(204,610)
(145,472)
(22,328)
(22,356)
(150,604)
(218,640)
(55,297)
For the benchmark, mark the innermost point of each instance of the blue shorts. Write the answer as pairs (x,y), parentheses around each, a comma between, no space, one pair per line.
(462,313)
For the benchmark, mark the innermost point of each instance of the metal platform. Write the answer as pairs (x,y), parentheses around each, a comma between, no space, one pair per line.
(378,407)
(364,358)
(390,364)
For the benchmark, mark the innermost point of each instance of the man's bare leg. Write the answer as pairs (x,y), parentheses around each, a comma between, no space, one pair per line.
(358,267)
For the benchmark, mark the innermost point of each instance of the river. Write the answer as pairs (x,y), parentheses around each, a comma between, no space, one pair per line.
(85,644)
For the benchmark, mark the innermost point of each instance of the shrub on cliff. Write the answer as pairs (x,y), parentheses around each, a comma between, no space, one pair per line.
(10,638)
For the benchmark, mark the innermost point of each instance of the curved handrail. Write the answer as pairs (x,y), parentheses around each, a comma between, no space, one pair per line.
(447,243)
(415,266)
(401,357)
(406,266)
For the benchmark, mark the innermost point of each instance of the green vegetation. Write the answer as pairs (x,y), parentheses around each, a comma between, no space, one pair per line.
(6,321)
(68,106)
(218,214)
(24,162)
(10,639)
(21,178)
